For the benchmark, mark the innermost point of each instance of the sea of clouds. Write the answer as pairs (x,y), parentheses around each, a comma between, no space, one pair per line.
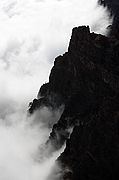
(32,34)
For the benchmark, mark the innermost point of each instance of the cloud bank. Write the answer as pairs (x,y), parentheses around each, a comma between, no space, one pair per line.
(21,138)
(32,34)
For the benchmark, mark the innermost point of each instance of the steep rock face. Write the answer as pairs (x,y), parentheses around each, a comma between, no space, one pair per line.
(86,80)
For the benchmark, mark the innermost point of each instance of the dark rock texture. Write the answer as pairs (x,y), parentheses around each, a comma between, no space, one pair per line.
(86,80)
(113,5)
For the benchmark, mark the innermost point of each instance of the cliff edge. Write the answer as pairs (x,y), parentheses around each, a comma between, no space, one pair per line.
(86,80)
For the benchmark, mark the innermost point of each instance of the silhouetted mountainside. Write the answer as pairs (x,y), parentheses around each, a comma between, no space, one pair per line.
(86,80)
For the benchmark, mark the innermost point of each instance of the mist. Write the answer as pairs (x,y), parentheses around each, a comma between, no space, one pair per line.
(32,34)
(20,141)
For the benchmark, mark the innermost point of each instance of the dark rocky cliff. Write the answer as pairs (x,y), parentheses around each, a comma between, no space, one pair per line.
(86,80)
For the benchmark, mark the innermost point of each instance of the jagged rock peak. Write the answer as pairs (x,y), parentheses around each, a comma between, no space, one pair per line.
(79,34)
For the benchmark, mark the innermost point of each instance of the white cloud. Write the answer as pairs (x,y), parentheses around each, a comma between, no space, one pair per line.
(33,33)
(21,138)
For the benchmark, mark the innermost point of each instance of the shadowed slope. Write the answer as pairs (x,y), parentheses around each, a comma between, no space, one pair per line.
(86,80)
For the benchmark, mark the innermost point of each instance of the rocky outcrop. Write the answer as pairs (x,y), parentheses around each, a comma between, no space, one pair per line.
(86,80)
